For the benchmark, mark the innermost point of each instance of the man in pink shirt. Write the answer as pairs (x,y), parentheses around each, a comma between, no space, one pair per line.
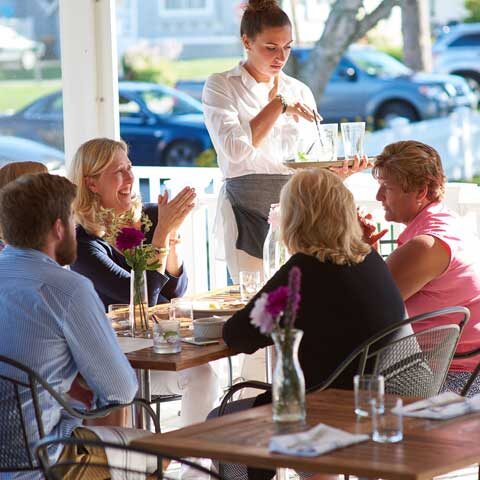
(436,263)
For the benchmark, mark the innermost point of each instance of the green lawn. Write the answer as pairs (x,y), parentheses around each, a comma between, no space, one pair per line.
(201,68)
(15,95)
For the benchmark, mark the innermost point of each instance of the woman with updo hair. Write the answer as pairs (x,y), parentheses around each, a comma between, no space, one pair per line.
(258,117)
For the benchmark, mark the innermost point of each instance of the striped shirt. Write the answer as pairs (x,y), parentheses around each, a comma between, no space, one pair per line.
(52,320)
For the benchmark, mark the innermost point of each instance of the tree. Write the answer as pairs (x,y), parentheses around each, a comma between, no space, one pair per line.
(417,44)
(473,9)
(346,24)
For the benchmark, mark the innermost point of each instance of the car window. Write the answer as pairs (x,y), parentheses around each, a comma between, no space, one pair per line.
(55,106)
(166,103)
(470,40)
(378,64)
(128,107)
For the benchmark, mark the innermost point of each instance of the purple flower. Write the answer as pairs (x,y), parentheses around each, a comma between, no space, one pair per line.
(260,317)
(129,238)
(277,301)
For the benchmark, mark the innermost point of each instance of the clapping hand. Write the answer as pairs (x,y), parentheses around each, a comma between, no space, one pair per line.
(172,213)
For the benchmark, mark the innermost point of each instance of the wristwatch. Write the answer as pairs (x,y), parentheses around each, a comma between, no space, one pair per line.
(284,102)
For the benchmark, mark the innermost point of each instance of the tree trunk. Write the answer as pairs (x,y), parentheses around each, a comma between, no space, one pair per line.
(417,45)
(342,28)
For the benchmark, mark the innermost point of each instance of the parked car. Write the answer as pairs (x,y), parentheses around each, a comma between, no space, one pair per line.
(17,50)
(457,50)
(374,86)
(15,149)
(162,126)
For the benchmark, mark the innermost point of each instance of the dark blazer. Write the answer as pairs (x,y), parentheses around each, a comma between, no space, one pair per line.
(110,274)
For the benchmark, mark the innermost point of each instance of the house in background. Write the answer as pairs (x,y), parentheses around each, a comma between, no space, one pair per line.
(203,28)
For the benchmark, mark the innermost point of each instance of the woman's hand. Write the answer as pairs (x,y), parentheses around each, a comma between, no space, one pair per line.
(298,110)
(370,234)
(358,166)
(171,214)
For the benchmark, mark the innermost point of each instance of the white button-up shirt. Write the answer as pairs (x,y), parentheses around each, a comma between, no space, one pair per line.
(231,99)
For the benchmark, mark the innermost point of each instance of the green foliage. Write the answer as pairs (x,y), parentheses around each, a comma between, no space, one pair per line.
(149,69)
(208,158)
(473,9)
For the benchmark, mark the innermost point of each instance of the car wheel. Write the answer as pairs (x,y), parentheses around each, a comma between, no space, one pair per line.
(28,60)
(392,110)
(180,154)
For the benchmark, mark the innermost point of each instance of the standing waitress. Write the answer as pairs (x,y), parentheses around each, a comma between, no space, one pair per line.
(257,117)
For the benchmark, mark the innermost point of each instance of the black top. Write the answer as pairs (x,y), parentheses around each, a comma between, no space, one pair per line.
(107,269)
(341,306)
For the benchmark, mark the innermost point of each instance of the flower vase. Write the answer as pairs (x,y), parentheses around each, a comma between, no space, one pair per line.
(288,387)
(139,318)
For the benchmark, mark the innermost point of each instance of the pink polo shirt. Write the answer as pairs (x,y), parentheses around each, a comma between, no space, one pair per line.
(459,285)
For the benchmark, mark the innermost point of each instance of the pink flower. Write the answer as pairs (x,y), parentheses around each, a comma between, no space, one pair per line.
(129,238)
(260,317)
(277,301)
(274,216)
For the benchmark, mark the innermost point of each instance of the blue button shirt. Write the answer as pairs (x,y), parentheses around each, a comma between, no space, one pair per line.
(52,320)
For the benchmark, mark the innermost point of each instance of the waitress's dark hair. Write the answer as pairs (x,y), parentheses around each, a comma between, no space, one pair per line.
(260,14)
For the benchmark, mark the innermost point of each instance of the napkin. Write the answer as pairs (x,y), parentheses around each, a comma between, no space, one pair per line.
(442,407)
(316,441)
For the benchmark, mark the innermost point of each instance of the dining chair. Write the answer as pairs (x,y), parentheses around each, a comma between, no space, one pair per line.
(413,365)
(100,470)
(21,422)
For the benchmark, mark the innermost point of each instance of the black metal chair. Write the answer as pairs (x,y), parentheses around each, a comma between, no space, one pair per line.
(21,423)
(475,374)
(97,471)
(414,365)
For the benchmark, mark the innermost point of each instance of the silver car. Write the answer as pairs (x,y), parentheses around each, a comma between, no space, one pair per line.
(457,51)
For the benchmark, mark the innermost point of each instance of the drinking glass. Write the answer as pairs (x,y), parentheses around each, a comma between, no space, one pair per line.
(367,388)
(250,284)
(353,135)
(181,309)
(387,421)
(327,142)
(166,337)
(119,315)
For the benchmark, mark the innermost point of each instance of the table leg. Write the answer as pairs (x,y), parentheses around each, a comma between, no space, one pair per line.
(140,418)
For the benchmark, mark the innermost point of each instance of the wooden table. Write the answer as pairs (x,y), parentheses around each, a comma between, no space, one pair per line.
(190,356)
(429,447)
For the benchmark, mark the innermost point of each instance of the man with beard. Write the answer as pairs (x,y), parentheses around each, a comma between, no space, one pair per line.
(51,318)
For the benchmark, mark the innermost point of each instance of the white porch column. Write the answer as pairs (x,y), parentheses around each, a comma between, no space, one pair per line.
(89,71)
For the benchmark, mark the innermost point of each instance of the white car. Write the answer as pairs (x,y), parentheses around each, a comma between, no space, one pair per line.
(15,49)
(457,51)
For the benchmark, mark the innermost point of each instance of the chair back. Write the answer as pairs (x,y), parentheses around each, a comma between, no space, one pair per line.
(139,463)
(20,418)
(415,364)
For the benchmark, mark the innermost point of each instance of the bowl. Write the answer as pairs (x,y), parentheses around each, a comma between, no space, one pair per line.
(209,327)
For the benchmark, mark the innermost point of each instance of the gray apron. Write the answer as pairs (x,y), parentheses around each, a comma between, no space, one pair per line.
(251,197)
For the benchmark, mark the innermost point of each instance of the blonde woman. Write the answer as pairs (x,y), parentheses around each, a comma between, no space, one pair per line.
(11,171)
(347,292)
(103,174)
